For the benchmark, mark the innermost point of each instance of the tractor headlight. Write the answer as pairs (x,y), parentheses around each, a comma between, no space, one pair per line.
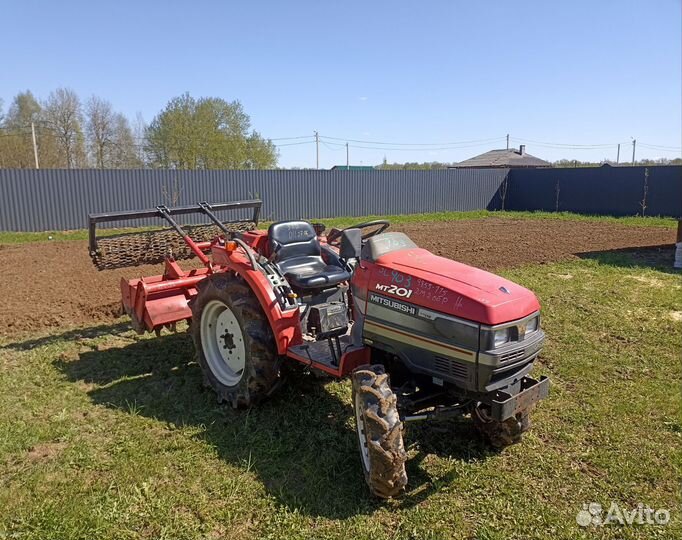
(532,325)
(500,337)
(512,332)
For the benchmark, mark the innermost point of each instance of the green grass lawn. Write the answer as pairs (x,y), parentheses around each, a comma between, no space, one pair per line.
(23,237)
(104,434)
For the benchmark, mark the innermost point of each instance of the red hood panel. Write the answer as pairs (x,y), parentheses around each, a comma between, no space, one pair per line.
(448,286)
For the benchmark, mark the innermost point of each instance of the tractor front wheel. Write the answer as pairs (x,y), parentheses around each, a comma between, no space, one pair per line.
(380,432)
(234,343)
(500,434)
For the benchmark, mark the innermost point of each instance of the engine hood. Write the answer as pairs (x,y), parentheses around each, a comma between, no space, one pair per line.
(451,287)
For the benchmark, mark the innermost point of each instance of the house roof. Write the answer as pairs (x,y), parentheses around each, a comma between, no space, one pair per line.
(513,157)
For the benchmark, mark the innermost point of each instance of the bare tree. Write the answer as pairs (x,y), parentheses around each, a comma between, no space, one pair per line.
(124,154)
(111,143)
(139,136)
(646,190)
(63,115)
(503,190)
(99,129)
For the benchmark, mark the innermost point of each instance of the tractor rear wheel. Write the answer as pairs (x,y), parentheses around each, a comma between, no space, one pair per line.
(500,434)
(234,342)
(380,432)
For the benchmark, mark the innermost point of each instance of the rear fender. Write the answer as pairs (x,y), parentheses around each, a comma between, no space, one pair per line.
(285,325)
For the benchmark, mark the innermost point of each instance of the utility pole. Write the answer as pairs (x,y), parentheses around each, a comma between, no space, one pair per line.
(35,146)
(634,144)
(618,155)
(507,141)
(317,150)
(347,160)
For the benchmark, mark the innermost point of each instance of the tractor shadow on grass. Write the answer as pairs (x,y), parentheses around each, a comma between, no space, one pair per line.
(658,258)
(76,334)
(301,443)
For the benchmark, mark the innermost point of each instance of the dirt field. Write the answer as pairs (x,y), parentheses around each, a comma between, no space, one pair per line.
(50,285)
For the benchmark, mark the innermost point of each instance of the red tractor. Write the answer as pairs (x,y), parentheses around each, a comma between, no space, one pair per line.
(422,337)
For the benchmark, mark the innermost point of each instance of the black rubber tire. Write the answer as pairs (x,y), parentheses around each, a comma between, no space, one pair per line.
(383,431)
(262,365)
(500,434)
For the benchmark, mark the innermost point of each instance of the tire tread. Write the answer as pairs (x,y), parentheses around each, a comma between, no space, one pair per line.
(386,476)
(262,367)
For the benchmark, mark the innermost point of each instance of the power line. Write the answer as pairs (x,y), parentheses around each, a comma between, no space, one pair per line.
(293,143)
(410,144)
(443,145)
(661,147)
(290,138)
(481,142)
(568,145)
(330,141)
(328,146)
(385,148)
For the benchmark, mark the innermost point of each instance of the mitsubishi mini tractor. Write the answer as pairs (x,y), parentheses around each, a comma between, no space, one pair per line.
(421,337)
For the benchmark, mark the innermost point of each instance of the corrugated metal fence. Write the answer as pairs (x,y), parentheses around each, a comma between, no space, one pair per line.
(32,200)
(616,191)
(40,200)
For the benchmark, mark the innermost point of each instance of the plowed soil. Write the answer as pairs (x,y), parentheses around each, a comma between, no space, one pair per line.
(51,285)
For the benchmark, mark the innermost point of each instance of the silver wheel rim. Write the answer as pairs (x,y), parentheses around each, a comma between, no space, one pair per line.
(222,342)
(362,434)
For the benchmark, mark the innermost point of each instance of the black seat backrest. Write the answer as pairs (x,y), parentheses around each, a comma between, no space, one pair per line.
(293,239)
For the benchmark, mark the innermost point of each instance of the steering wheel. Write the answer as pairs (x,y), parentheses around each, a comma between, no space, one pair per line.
(335,234)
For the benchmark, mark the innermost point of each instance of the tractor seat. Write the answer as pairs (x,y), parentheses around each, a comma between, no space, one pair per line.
(299,257)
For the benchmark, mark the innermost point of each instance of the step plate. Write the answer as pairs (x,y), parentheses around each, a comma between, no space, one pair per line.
(319,352)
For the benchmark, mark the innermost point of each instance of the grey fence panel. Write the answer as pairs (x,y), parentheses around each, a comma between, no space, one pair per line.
(42,200)
(617,191)
(664,192)
(39,200)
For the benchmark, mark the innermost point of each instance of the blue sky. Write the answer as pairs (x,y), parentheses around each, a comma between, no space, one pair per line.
(570,72)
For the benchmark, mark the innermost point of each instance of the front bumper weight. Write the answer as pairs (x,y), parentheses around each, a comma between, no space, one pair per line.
(505,406)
